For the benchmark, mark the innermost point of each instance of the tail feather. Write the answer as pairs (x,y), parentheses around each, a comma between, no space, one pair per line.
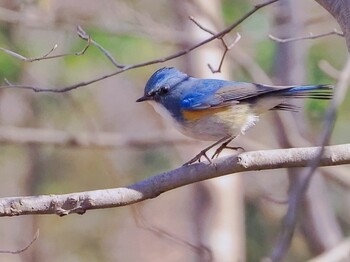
(314,92)
(286,107)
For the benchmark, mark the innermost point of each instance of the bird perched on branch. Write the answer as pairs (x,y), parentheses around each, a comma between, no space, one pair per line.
(219,110)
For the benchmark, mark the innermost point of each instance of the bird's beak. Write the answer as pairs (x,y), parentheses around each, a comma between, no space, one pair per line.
(144,98)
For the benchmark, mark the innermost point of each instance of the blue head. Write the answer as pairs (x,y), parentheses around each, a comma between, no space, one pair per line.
(165,86)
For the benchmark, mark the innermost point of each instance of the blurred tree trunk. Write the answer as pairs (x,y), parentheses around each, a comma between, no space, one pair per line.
(219,212)
(318,218)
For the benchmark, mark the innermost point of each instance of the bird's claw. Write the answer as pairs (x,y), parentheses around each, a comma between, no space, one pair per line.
(224,146)
(198,157)
(203,153)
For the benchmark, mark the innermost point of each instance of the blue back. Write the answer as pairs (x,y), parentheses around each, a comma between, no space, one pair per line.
(188,93)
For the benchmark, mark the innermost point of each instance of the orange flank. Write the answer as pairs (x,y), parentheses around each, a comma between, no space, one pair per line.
(193,115)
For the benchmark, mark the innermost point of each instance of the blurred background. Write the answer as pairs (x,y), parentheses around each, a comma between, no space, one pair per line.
(233,218)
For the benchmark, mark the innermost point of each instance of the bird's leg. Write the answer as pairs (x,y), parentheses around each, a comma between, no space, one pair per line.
(203,153)
(224,146)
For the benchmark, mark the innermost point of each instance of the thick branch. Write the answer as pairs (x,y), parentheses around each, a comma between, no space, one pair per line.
(154,186)
(340,10)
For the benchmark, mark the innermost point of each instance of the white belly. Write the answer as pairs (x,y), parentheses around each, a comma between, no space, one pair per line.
(232,122)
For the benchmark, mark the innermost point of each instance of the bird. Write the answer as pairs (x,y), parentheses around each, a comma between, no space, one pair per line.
(220,110)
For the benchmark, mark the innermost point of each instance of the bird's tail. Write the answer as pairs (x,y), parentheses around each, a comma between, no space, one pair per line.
(314,92)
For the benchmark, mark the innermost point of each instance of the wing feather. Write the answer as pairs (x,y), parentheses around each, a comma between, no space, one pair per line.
(218,94)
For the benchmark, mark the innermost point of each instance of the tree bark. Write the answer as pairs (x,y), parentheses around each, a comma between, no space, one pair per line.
(340,10)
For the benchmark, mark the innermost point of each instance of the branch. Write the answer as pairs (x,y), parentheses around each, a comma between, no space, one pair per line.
(47,55)
(223,42)
(124,68)
(310,36)
(35,237)
(83,35)
(340,10)
(152,187)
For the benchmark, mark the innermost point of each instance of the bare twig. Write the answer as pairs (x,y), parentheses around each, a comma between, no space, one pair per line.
(45,56)
(151,62)
(308,37)
(297,195)
(226,47)
(200,26)
(83,35)
(35,237)
(26,59)
(152,187)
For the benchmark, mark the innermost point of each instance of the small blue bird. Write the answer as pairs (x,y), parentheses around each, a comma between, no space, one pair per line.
(219,110)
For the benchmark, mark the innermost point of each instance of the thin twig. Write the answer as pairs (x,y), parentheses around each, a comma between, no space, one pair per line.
(83,35)
(35,237)
(151,62)
(201,26)
(26,59)
(45,56)
(308,37)
(227,48)
(225,45)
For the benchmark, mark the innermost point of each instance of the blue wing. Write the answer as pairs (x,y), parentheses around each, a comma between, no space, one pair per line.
(209,93)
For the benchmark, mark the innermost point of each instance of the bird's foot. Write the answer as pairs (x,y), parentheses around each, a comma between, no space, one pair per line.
(198,157)
(224,146)
(203,153)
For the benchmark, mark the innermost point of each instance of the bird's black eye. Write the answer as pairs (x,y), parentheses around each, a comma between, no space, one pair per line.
(163,90)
